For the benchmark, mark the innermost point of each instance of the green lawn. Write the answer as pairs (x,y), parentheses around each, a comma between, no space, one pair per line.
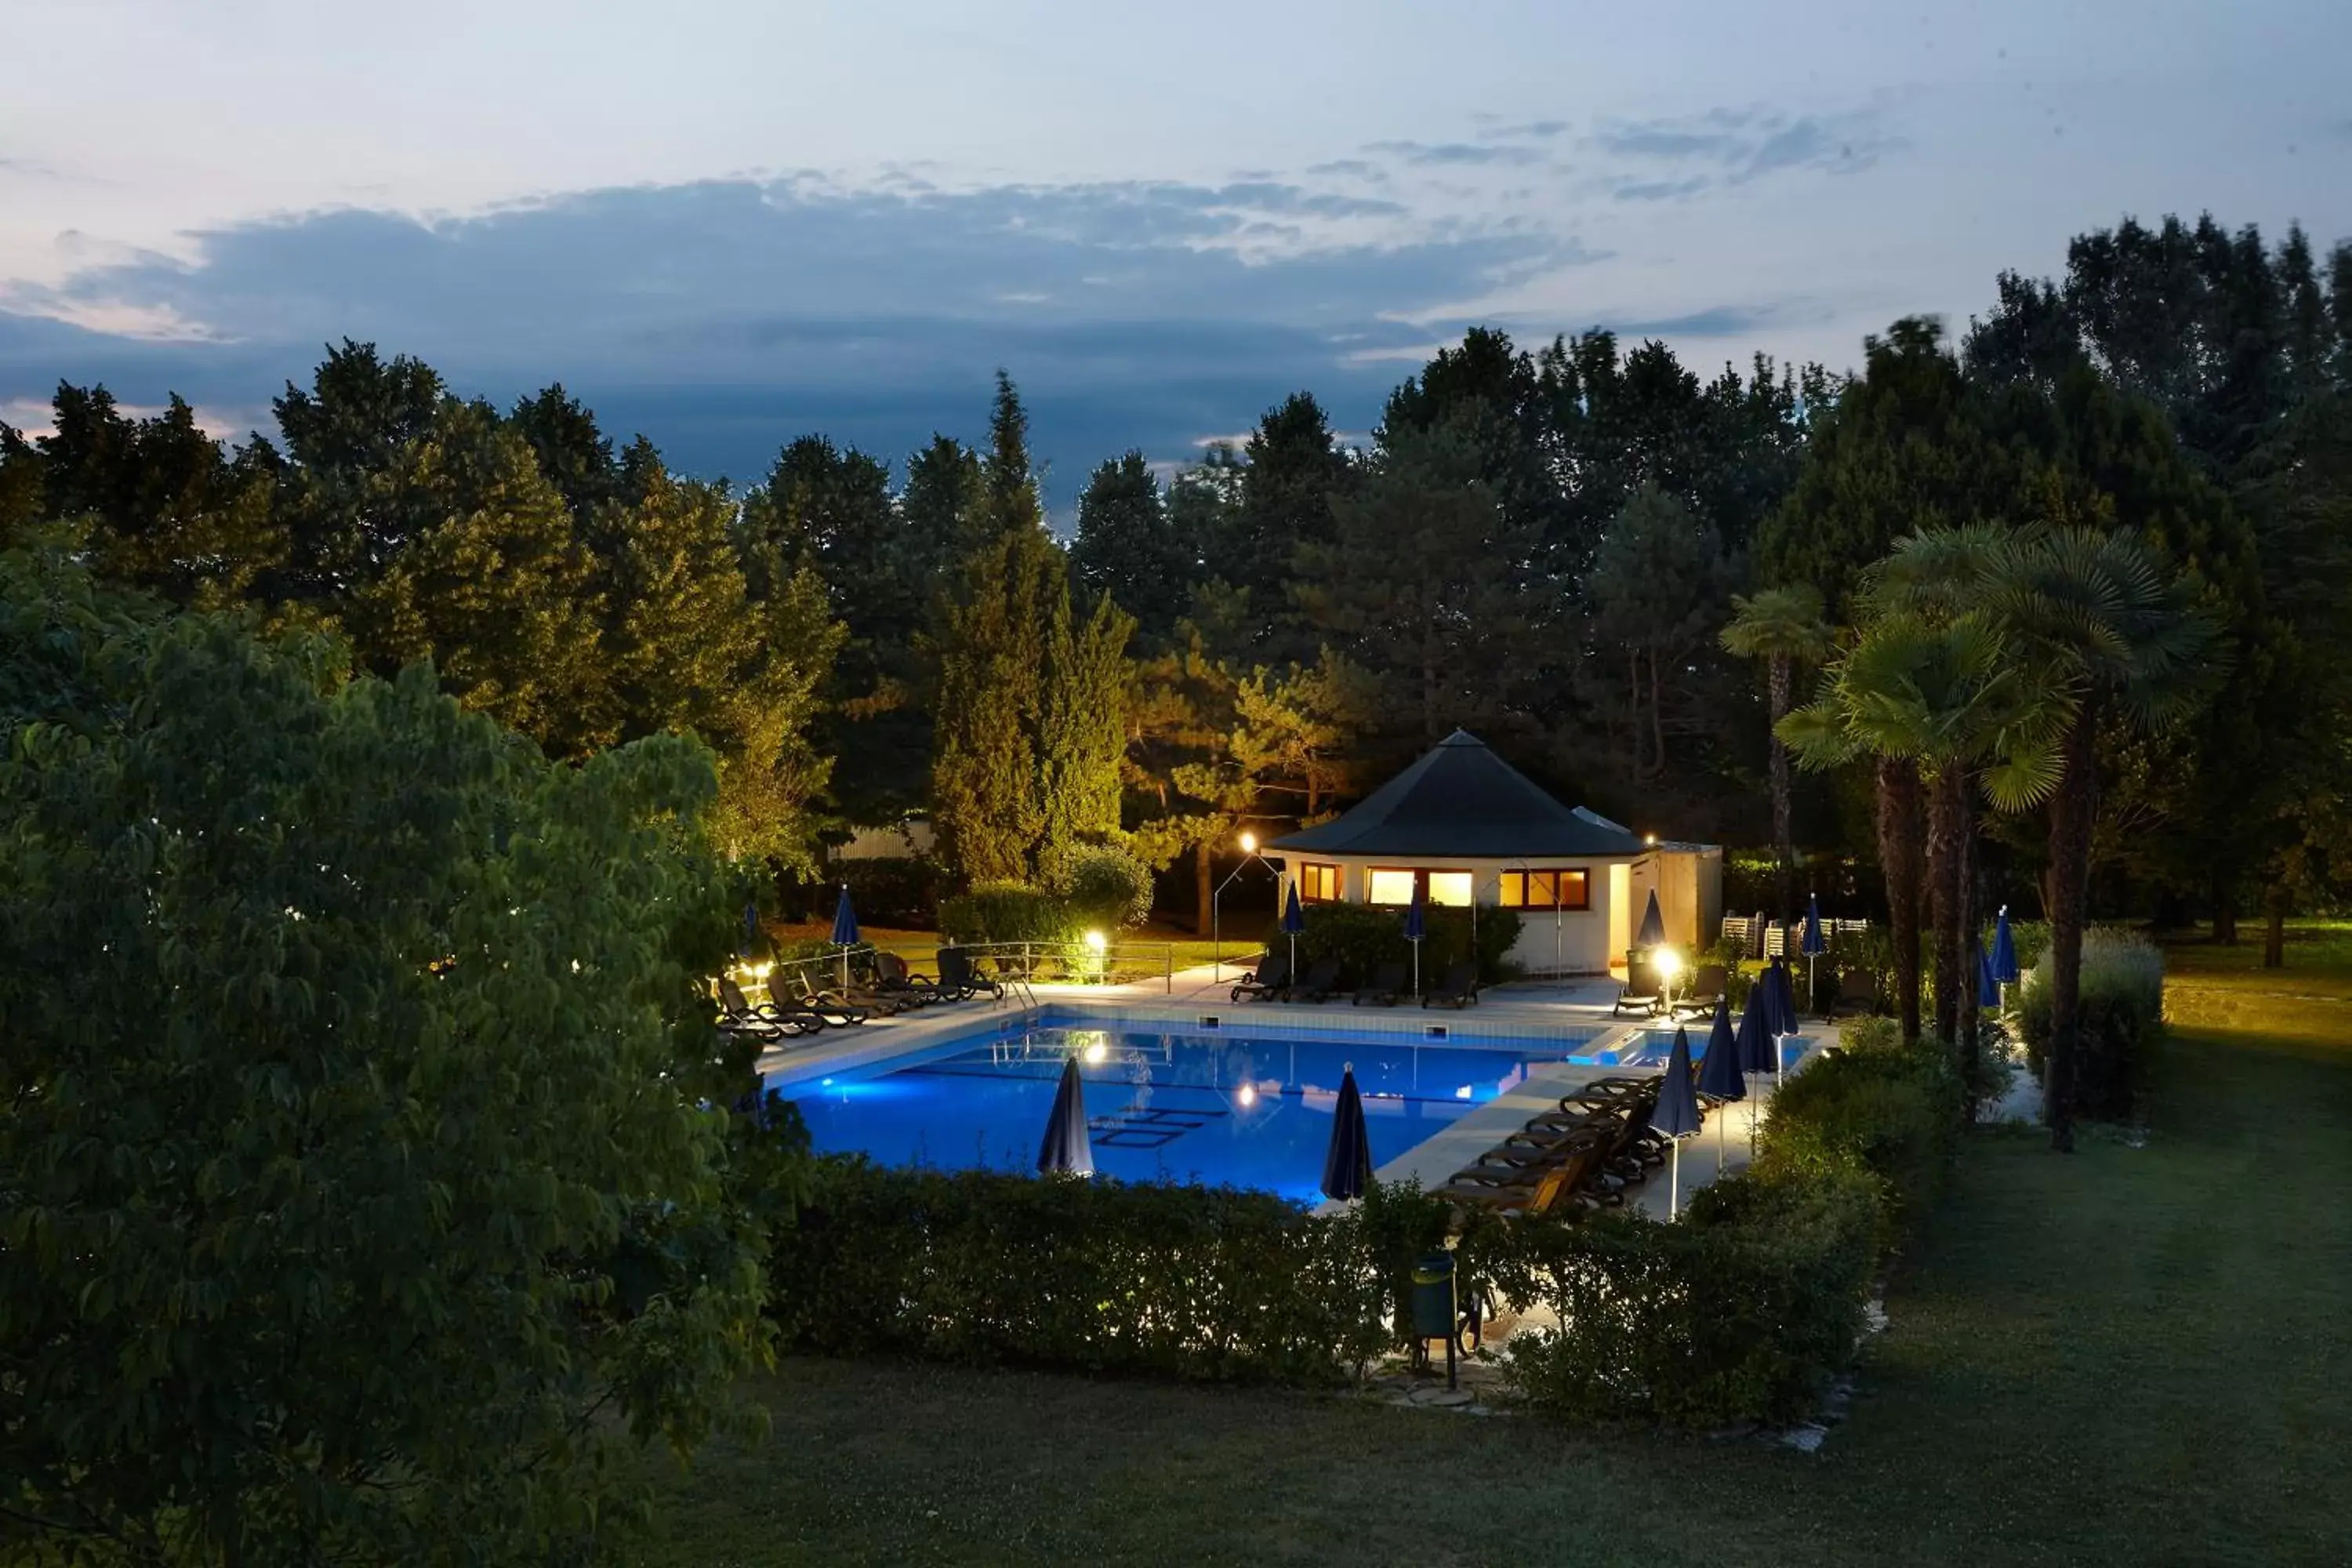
(2137,1355)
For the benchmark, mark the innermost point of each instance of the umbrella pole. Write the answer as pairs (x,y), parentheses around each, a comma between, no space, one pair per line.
(845,969)
(1416,972)
(1674,1180)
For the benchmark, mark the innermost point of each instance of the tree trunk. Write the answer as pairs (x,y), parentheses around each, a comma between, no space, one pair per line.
(1971,1009)
(2274,930)
(1633,714)
(2225,909)
(1657,715)
(1948,805)
(1202,896)
(1783,839)
(2071,815)
(1898,853)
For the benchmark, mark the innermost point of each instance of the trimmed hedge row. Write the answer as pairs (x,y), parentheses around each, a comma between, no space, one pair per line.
(1363,937)
(1742,1311)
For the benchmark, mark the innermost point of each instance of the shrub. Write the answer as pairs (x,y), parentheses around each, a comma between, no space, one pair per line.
(1105,887)
(1363,937)
(1744,1312)
(2122,1008)
(1876,1106)
(986,1269)
(1009,911)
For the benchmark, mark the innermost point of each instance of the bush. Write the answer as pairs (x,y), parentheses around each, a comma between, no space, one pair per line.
(2122,1008)
(1363,937)
(986,1269)
(1744,1312)
(1876,1106)
(1009,911)
(1106,887)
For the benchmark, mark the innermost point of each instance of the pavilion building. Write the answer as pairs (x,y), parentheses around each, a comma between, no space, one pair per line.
(1464,828)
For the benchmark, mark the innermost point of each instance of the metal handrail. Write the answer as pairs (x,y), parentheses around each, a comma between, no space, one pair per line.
(1112,966)
(759,974)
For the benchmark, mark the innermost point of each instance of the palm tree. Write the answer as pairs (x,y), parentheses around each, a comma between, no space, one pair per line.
(2098,615)
(1783,626)
(1948,697)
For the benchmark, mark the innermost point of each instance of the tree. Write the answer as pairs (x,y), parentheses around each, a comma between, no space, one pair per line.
(1082,729)
(1422,585)
(22,502)
(1132,546)
(986,799)
(359,415)
(483,577)
(1655,591)
(575,456)
(2099,615)
(1783,627)
(390,1035)
(1294,471)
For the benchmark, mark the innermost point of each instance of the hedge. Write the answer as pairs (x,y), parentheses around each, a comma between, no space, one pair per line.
(2121,1009)
(1363,937)
(1742,1311)
(985,1268)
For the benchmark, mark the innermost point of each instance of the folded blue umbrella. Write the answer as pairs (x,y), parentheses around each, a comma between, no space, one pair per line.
(1718,1070)
(1812,945)
(1988,988)
(1757,1049)
(1294,919)
(1677,1109)
(1416,925)
(2004,951)
(750,927)
(1348,1162)
(1654,924)
(1066,1146)
(1782,999)
(845,920)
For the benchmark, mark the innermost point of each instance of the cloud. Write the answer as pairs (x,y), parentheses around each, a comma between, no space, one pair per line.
(723,317)
(1731,147)
(1531,129)
(1428,153)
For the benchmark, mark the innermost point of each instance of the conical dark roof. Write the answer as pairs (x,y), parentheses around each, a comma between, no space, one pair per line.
(1461,799)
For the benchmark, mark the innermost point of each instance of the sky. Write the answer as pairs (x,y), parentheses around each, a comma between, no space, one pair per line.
(724,222)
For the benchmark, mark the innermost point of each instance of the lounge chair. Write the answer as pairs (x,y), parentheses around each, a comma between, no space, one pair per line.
(1857,992)
(1322,979)
(1269,980)
(833,1006)
(1386,987)
(1707,988)
(1564,1172)
(959,979)
(1644,995)
(893,978)
(1458,989)
(748,1016)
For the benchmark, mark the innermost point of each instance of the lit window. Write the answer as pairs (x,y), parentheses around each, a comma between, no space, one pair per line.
(1545,891)
(1321,884)
(1393,887)
(1450,888)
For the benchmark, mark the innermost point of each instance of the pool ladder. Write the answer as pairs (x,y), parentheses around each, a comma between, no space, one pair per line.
(1017,990)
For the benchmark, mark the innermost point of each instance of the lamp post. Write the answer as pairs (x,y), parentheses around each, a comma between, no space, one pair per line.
(1217,917)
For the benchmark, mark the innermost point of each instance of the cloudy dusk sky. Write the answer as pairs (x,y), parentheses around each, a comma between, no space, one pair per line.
(727,223)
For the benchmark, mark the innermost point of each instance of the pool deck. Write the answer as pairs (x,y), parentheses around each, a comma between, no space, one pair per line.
(1526,1011)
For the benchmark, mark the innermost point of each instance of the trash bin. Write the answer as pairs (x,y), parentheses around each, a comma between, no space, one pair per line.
(1433,1297)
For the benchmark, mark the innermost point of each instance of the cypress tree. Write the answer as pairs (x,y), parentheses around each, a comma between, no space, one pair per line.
(1083,731)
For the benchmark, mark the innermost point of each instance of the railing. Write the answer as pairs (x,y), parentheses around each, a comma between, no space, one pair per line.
(1078,964)
(823,971)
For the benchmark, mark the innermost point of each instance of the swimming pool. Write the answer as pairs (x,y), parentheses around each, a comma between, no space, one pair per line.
(1216,1108)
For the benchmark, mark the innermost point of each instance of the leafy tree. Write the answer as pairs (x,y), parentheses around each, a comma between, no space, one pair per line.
(573,452)
(1654,593)
(1293,472)
(1422,586)
(486,581)
(1082,729)
(1132,546)
(360,415)
(22,500)
(2097,615)
(357,1073)
(1783,627)
(986,798)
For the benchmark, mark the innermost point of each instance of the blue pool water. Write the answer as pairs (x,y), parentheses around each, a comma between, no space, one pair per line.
(1219,1110)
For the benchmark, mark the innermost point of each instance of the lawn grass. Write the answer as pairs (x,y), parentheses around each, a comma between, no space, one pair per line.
(1139,950)
(2130,1354)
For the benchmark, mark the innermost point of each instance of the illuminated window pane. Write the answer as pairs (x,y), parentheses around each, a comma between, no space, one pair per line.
(1391,886)
(1319,884)
(1450,888)
(1575,891)
(1513,891)
(1543,890)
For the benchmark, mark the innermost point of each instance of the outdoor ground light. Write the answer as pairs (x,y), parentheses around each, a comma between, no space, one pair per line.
(1249,843)
(1096,943)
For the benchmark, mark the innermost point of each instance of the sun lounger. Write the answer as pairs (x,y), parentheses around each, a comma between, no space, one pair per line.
(1645,993)
(958,980)
(892,978)
(1322,980)
(1458,989)
(1566,1171)
(1386,987)
(1857,992)
(1707,989)
(745,1016)
(831,1006)
(1270,981)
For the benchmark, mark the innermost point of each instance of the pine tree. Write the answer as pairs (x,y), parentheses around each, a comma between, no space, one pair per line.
(1135,548)
(1082,735)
